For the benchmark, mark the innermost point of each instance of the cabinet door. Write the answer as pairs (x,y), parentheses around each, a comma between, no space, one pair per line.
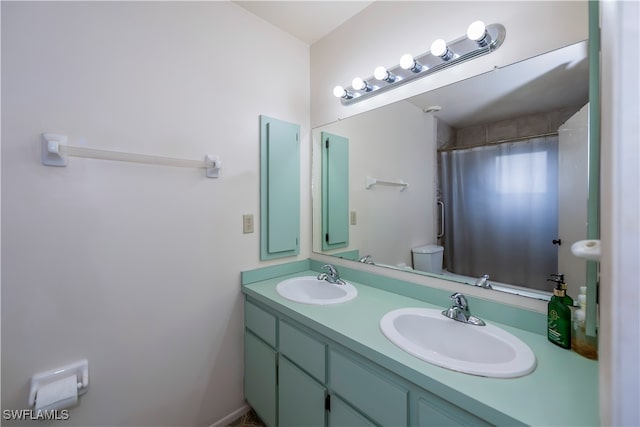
(342,415)
(300,398)
(279,188)
(260,377)
(335,191)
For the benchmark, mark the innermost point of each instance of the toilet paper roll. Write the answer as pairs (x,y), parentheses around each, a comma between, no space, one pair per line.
(59,394)
(588,249)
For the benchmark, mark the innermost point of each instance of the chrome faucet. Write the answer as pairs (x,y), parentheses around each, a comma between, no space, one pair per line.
(367,259)
(331,275)
(483,282)
(460,311)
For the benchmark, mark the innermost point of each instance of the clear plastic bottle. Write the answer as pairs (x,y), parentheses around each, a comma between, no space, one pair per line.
(582,343)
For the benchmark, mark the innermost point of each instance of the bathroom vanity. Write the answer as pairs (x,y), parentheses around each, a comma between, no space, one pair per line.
(331,364)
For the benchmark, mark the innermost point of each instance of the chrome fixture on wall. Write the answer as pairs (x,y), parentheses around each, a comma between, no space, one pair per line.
(480,40)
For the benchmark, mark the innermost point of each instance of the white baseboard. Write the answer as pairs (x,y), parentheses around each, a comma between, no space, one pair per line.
(223,422)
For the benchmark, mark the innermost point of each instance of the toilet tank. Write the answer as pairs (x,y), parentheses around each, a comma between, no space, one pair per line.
(428,258)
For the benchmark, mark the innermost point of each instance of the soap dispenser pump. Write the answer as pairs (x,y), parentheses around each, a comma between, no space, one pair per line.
(559,318)
(559,280)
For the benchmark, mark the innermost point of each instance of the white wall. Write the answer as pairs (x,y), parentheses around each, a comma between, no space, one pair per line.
(393,143)
(384,31)
(137,267)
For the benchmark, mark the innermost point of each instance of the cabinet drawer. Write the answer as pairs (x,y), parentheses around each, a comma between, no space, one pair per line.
(373,394)
(260,322)
(305,351)
(434,411)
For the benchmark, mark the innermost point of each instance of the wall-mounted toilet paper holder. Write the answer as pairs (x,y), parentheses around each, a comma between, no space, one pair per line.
(80,369)
(587,249)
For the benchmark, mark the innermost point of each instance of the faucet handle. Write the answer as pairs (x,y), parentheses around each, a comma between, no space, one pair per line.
(459,300)
(483,282)
(330,269)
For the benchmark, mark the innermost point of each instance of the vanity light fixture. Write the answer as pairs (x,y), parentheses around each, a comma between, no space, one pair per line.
(381,73)
(440,49)
(340,92)
(479,40)
(359,84)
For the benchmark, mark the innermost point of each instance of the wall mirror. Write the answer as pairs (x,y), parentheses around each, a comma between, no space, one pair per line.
(486,176)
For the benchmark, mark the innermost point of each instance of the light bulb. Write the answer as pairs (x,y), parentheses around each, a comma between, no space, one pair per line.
(408,63)
(340,92)
(438,47)
(380,73)
(477,32)
(359,84)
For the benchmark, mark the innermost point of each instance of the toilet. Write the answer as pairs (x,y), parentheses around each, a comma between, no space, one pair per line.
(428,258)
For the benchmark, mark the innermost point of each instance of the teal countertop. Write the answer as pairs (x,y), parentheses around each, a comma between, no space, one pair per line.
(562,391)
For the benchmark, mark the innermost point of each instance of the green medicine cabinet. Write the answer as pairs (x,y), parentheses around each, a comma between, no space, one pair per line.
(279,188)
(335,191)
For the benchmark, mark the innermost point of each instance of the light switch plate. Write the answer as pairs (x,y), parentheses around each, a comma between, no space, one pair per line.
(354,219)
(247,223)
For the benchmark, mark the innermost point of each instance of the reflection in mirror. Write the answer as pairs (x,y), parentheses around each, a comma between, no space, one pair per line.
(496,179)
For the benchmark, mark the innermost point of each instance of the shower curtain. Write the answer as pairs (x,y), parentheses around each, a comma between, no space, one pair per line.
(501,211)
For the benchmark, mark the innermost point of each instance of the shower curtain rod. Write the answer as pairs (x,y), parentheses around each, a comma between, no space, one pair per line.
(502,141)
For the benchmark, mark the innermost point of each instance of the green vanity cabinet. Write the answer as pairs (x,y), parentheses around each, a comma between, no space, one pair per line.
(295,376)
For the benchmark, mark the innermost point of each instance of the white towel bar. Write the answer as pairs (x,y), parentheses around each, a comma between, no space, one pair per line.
(373,181)
(55,150)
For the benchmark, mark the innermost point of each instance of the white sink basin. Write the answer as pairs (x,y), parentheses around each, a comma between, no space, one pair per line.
(310,290)
(487,351)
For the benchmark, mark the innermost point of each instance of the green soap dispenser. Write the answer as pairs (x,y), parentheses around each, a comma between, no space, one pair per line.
(559,319)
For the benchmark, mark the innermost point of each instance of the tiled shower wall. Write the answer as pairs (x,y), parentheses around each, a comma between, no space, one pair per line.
(518,127)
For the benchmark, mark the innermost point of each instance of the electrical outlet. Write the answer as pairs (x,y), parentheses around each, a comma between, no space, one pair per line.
(354,220)
(247,223)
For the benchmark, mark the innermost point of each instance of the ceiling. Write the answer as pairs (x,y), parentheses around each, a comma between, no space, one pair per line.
(308,21)
(556,79)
